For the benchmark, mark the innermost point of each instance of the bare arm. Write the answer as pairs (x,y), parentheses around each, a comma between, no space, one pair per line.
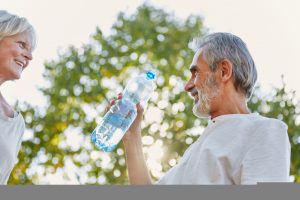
(132,140)
(136,165)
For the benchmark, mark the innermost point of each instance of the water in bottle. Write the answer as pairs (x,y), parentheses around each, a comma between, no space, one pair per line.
(118,119)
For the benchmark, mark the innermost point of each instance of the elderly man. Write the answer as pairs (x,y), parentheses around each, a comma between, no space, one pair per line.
(237,147)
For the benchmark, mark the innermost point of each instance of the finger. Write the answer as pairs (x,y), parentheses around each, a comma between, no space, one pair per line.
(120,95)
(140,111)
(111,103)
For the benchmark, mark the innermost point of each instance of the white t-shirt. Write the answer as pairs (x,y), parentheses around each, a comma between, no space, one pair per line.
(235,149)
(11,132)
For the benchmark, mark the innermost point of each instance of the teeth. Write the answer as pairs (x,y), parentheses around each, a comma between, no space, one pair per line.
(20,63)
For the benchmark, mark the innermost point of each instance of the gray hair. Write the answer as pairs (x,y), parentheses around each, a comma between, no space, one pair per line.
(219,46)
(11,24)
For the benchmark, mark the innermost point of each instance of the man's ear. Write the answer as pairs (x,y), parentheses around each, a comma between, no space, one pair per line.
(225,68)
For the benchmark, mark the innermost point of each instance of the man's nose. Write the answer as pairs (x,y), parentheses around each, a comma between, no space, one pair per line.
(189,85)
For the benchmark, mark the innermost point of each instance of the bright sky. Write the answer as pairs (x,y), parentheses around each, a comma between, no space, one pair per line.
(270,28)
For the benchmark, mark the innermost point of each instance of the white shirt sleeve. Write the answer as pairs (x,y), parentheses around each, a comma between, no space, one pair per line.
(268,156)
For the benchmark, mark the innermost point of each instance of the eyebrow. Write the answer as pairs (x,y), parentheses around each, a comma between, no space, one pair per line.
(193,68)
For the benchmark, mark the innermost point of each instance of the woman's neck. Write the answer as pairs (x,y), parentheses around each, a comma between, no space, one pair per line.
(5,108)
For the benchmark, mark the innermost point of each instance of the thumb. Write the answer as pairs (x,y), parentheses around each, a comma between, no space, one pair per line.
(140,111)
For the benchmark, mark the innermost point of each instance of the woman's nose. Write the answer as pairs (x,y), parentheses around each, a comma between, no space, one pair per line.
(28,55)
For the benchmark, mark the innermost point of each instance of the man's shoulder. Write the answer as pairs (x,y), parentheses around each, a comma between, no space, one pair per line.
(267,122)
(265,127)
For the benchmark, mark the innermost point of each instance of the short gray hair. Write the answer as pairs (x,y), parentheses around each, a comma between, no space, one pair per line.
(219,46)
(11,24)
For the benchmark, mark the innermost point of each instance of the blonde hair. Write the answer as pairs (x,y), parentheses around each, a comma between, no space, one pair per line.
(11,24)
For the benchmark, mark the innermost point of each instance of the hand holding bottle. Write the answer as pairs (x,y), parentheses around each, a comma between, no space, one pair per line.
(134,130)
(125,114)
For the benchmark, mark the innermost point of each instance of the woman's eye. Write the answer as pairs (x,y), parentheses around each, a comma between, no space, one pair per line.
(21,44)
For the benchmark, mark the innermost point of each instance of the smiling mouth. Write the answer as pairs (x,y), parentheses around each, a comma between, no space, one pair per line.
(196,98)
(194,94)
(21,64)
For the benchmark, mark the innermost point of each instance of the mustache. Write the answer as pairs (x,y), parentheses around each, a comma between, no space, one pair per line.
(193,92)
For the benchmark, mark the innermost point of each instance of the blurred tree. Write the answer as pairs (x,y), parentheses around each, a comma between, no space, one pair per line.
(83,80)
(283,105)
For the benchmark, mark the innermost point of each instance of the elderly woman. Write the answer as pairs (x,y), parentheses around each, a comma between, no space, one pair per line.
(17,40)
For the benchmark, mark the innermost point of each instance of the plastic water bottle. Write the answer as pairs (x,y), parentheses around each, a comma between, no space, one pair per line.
(118,119)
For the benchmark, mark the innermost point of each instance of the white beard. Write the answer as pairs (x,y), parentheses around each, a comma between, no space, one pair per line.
(201,108)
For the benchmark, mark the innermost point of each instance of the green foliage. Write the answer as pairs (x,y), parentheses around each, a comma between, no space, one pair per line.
(81,82)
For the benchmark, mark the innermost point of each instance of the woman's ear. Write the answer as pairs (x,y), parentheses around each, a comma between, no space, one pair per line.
(225,67)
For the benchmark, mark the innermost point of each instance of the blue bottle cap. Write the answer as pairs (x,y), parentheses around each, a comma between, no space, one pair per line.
(150,75)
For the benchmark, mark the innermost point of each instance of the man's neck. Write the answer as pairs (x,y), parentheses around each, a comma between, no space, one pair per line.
(231,104)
